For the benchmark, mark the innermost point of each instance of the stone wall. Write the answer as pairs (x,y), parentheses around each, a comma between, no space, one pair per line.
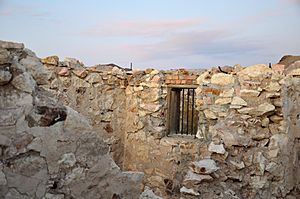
(48,150)
(246,146)
(96,92)
(244,134)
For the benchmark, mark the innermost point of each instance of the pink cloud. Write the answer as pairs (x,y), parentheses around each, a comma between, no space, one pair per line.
(142,27)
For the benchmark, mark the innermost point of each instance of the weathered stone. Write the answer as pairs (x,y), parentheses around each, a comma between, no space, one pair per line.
(261,161)
(5,57)
(272,95)
(68,159)
(54,196)
(263,109)
(24,82)
(204,78)
(82,73)
(149,194)
(210,114)
(222,79)
(223,101)
(258,182)
(273,86)
(227,93)
(51,60)
(75,120)
(239,166)
(256,71)
(189,191)
(11,45)
(64,72)
(265,122)
(237,101)
(3,181)
(5,76)
(205,166)
(249,93)
(73,63)
(194,178)
(276,118)
(216,148)
(35,67)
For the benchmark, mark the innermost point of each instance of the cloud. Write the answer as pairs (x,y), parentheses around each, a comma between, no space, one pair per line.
(23,10)
(143,28)
(209,43)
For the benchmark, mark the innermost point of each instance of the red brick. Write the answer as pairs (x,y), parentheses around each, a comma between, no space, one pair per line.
(175,77)
(211,91)
(168,81)
(178,81)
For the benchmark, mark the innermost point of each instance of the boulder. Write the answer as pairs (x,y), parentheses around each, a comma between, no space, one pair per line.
(51,60)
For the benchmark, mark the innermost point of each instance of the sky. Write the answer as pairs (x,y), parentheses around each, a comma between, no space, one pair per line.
(160,34)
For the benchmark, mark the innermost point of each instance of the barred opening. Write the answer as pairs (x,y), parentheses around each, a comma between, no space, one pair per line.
(182,115)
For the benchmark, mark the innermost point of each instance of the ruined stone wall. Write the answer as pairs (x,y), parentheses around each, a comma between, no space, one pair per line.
(244,137)
(242,127)
(96,92)
(47,149)
(247,143)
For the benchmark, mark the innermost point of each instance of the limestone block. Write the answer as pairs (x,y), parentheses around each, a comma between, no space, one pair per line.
(223,101)
(189,191)
(5,57)
(11,45)
(73,63)
(64,72)
(239,166)
(273,86)
(265,122)
(205,166)
(216,148)
(51,60)
(263,109)
(256,71)
(68,159)
(204,78)
(259,182)
(237,101)
(249,93)
(276,118)
(5,76)
(222,79)
(81,73)
(24,82)
(35,67)
(194,179)
(149,194)
(210,114)
(3,181)
(75,120)
(227,93)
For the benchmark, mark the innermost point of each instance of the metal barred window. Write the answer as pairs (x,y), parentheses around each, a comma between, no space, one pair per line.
(182,115)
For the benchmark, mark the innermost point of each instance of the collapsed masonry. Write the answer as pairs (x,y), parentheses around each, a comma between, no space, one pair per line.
(247,142)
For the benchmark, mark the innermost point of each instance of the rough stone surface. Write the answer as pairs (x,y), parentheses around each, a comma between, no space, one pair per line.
(247,124)
(48,150)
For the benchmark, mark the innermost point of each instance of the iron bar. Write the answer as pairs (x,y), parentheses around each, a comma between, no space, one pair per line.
(193,106)
(187,111)
(182,111)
